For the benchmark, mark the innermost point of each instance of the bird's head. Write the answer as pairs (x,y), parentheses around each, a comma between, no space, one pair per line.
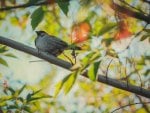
(41,33)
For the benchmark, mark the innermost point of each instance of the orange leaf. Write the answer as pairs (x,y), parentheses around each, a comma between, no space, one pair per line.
(80,32)
(123,31)
(122,34)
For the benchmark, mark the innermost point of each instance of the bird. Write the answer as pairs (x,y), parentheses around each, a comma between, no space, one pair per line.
(51,44)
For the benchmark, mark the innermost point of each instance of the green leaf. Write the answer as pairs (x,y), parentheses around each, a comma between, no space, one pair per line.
(3,49)
(12,107)
(92,72)
(28,97)
(11,90)
(58,87)
(64,5)
(107,28)
(10,55)
(37,98)
(66,83)
(27,108)
(20,91)
(3,62)
(36,92)
(21,99)
(144,37)
(37,17)
(147,72)
(88,59)
(70,82)
(85,60)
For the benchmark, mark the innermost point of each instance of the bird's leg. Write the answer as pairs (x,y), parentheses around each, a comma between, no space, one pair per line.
(36,60)
(38,51)
(74,55)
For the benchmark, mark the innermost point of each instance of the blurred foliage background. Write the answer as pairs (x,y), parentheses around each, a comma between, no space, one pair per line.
(113,44)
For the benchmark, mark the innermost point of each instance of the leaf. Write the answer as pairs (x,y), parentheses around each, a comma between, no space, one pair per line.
(3,49)
(20,91)
(3,62)
(85,60)
(106,28)
(70,81)
(31,96)
(90,58)
(95,56)
(144,37)
(92,72)
(12,107)
(147,72)
(28,97)
(11,90)
(27,108)
(64,5)
(36,92)
(58,88)
(37,98)
(10,55)
(37,17)
(21,99)
(66,83)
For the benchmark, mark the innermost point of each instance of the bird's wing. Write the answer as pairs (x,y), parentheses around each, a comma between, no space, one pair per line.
(56,41)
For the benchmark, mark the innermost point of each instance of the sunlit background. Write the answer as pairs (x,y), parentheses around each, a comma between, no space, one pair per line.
(86,96)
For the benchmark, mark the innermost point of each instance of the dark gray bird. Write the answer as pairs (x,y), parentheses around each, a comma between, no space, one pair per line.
(51,44)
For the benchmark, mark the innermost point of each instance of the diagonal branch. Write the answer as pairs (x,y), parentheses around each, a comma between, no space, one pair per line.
(54,60)
(130,13)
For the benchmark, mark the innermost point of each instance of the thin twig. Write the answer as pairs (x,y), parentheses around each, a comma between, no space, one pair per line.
(126,72)
(108,68)
(137,34)
(137,73)
(144,105)
(129,105)
(132,6)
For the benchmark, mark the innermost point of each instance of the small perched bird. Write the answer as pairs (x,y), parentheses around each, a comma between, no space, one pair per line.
(51,44)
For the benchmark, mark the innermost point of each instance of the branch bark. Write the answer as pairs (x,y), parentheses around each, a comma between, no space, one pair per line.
(54,60)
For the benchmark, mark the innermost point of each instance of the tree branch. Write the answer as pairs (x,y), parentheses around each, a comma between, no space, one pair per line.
(24,5)
(131,13)
(54,60)
(129,105)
